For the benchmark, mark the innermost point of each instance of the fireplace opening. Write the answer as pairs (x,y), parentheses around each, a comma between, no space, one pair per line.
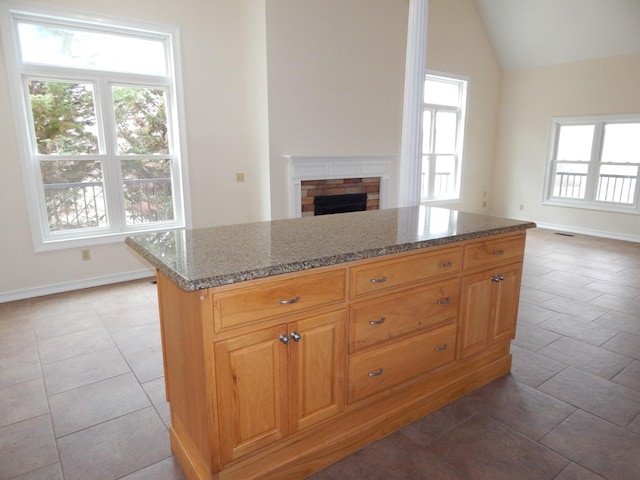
(329,204)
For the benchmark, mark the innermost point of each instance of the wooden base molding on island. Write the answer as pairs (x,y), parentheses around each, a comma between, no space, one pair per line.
(280,377)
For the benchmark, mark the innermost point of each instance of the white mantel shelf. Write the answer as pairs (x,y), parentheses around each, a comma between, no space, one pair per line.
(325,167)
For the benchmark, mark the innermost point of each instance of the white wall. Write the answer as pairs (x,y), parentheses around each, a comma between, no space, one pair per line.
(530,98)
(223,134)
(458,43)
(336,76)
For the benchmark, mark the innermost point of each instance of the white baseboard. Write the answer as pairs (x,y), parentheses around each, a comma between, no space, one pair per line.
(591,232)
(79,285)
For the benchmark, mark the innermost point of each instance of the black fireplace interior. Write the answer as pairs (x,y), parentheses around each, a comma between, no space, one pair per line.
(350,202)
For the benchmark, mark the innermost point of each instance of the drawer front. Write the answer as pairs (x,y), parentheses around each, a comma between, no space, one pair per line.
(248,305)
(387,274)
(374,371)
(392,316)
(494,250)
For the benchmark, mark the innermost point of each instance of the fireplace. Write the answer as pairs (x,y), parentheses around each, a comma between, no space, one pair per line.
(311,176)
(365,192)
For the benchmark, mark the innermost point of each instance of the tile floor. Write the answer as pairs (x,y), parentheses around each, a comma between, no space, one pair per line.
(81,387)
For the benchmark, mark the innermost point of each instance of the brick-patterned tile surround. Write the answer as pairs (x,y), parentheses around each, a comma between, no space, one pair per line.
(339,186)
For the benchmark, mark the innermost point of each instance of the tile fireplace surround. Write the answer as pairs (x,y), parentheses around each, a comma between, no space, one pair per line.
(325,167)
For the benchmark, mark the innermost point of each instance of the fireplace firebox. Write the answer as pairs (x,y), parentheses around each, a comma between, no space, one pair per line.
(329,204)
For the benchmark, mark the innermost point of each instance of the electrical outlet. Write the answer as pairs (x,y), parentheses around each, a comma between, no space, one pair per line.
(484,204)
(86,255)
(239,177)
(521,207)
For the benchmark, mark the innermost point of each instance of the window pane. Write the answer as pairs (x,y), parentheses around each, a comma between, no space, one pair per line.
(574,143)
(570,181)
(441,93)
(74,194)
(445,176)
(446,127)
(141,120)
(426,132)
(64,117)
(617,183)
(621,143)
(70,47)
(147,191)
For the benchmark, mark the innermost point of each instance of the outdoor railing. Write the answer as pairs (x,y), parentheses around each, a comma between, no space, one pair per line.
(72,206)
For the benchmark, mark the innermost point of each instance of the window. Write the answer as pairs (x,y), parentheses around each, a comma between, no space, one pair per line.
(98,126)
(593,163)
(445,100)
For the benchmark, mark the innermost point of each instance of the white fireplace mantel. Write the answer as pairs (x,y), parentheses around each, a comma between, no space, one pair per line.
(325,167)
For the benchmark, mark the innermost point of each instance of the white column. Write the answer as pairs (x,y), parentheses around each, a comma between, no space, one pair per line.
(411,149)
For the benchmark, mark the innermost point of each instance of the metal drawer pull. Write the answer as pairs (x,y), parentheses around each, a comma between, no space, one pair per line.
(379,280)
(497,278)
(498,252)
(283,338)
(444,301)
(376,374)
(448,264)
(377,322)
(290,301)
(296,336)
(440,348)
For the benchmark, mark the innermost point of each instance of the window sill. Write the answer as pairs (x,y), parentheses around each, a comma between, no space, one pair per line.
(92,240)
(597,206)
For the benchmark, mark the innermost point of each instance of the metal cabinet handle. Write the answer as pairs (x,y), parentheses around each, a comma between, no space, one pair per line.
(497,278)
(445,265)
(444,301)
(290,301)
(377,322)
(441,348)
(283,338)
(498,252)
(379,280)
(296,336)
(376,374)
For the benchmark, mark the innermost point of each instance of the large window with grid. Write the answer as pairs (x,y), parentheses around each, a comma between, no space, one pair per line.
(593,163)
(445,100)
(96,106)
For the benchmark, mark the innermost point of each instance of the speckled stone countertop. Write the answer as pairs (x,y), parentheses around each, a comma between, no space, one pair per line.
(208,257)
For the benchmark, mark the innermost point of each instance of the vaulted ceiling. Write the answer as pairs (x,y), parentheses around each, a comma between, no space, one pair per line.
(532,33)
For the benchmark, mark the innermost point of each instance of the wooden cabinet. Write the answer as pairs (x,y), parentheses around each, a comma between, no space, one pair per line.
(489,306)
(279,380)
(280,377)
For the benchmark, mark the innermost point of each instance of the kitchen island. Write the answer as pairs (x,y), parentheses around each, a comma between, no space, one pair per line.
(290,344)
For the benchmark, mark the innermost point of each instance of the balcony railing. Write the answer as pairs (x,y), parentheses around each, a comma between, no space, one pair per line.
(611,188)
(73,206)
(441,186)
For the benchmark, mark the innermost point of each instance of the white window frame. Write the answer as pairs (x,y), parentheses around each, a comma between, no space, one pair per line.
(590,201)
(18,74)
(461,112)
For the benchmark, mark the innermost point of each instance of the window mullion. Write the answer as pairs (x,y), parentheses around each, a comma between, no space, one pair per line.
(112,173)
(593,172)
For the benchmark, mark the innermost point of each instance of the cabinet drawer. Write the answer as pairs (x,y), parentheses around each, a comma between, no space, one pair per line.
(395,315)
(493,250)
(244,306)
(386,274)
(376,370)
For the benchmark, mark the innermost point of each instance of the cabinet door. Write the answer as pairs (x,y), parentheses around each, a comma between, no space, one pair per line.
(251,375)
(317,368)
(476,310)
(507,299)
(489,308)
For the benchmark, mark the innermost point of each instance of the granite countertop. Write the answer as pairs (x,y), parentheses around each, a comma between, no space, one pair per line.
(208,257)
